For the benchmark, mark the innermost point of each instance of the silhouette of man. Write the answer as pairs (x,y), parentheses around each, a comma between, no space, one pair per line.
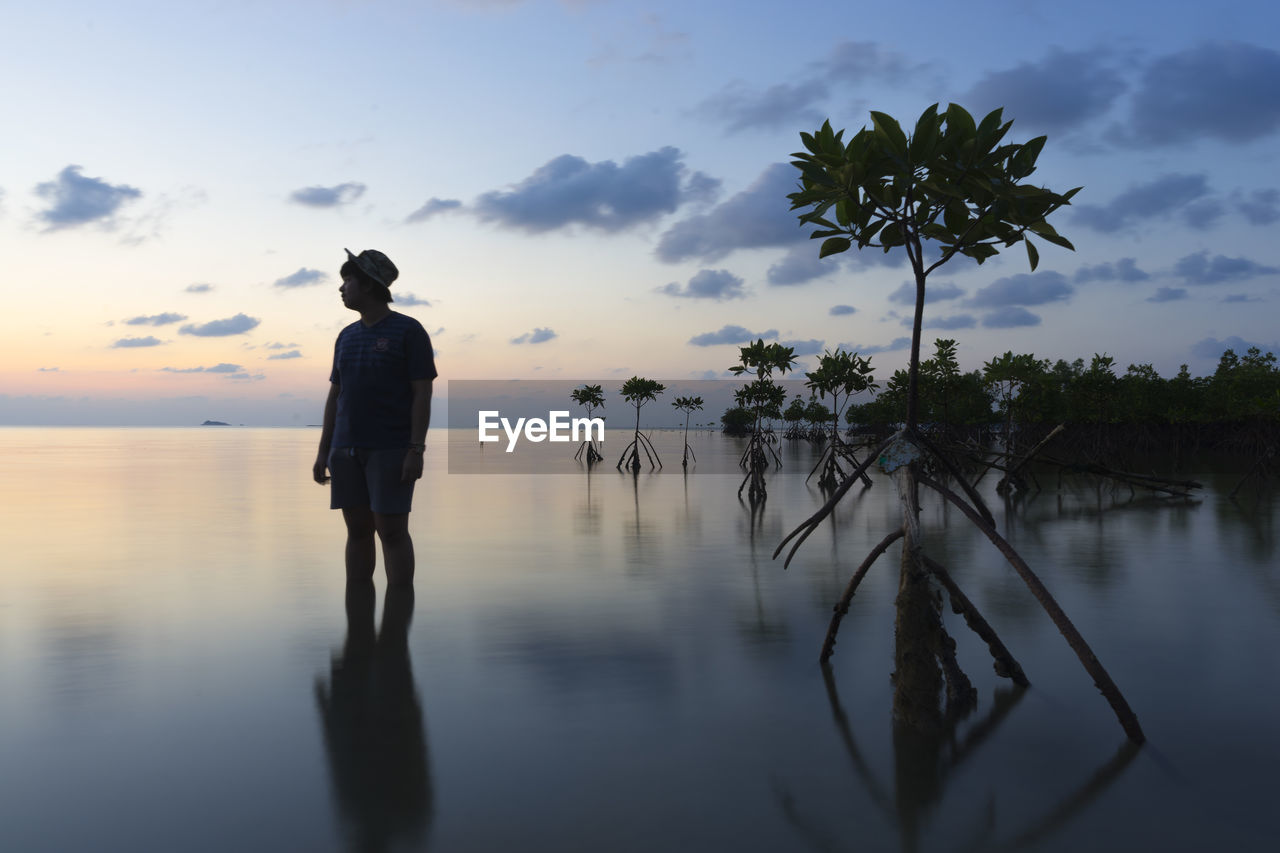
(375,420)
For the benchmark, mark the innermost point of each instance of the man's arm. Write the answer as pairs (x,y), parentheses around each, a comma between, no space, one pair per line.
(326,434)
(419,420)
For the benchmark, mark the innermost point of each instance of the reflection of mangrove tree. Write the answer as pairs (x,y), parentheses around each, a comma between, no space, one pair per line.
(954,183)
(924,765)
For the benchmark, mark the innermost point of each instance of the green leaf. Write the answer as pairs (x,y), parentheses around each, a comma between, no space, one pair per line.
(842,212)
(889,129)
(891,235)
(1032,254)
(934,231)
(960,125)
(834,246)
(1055,238)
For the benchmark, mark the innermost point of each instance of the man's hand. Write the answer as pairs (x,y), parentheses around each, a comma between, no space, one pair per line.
(319,471)
(412,469)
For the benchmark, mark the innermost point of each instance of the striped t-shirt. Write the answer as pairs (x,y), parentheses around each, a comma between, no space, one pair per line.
(373,366)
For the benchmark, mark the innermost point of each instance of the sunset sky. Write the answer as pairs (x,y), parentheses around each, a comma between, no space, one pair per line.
(595,188)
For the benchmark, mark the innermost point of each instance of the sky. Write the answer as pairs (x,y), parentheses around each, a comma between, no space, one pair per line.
(596,188)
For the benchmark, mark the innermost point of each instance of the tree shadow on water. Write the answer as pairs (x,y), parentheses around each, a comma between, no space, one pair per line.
(374,735)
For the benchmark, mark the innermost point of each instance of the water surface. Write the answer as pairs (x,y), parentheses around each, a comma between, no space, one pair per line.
(600,663)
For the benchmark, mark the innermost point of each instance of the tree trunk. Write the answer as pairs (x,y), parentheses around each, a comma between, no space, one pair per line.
(917,677)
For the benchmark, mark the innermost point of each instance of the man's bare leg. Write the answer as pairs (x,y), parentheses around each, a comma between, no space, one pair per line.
(361,554)
(397,547)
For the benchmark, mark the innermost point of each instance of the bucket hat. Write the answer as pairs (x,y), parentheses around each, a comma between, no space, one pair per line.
(375,265)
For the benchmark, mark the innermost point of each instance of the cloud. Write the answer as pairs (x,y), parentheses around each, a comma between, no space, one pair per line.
(862,62)
(237,325)
(801,265)
(408,299)
(1223,90)
(939,292)
(813,346)
(841,310)
(537,336)
(1212,348)
(77,200)
(1204,213)
(1010,317)
(570,191)
(783,105)
(1240,297)
(302,278)
(127,343)
(1061,91)
(198,288)
(1260,207)
(1037,288)
(754,218)
(328,196)
(1199,268)
(1168,294)
(731,335)
(1125,270)
(892,346)
(955,321)
(1160,197)
(217,368)
(49,369)
(740,107)
(155,319)
(278,345)
(433,207)
(281,356)
(708,284)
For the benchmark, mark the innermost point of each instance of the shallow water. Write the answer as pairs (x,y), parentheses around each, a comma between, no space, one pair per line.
(600,663)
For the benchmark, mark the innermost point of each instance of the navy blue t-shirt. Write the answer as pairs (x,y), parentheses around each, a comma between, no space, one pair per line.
(373,366)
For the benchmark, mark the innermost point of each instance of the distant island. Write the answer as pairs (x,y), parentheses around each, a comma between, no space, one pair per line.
(215,423)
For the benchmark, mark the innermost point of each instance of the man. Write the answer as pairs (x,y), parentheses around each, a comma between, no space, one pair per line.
(375,420)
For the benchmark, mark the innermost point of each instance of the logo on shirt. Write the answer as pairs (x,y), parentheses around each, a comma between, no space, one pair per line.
(381,344)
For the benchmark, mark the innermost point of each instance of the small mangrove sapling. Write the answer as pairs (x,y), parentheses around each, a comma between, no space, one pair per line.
(637,391)
(590,397)
(688,405)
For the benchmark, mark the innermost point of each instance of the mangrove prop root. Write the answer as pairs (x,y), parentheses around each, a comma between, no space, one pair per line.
(1005,664)
(951,469)
(811,523)
(961,695)
(842,607)
(1102,680)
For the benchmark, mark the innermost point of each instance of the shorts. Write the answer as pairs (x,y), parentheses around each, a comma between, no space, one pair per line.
(368,478)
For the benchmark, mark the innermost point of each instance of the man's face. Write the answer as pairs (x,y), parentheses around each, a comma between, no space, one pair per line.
(352,295)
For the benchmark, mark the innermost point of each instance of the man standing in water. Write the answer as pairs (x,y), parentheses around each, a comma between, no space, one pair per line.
(375,420)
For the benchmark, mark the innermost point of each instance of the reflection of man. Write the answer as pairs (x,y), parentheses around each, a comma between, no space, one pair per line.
(375,419)
(373,730)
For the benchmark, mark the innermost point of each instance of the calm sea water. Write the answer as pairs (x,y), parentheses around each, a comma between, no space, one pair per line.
(600,663)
